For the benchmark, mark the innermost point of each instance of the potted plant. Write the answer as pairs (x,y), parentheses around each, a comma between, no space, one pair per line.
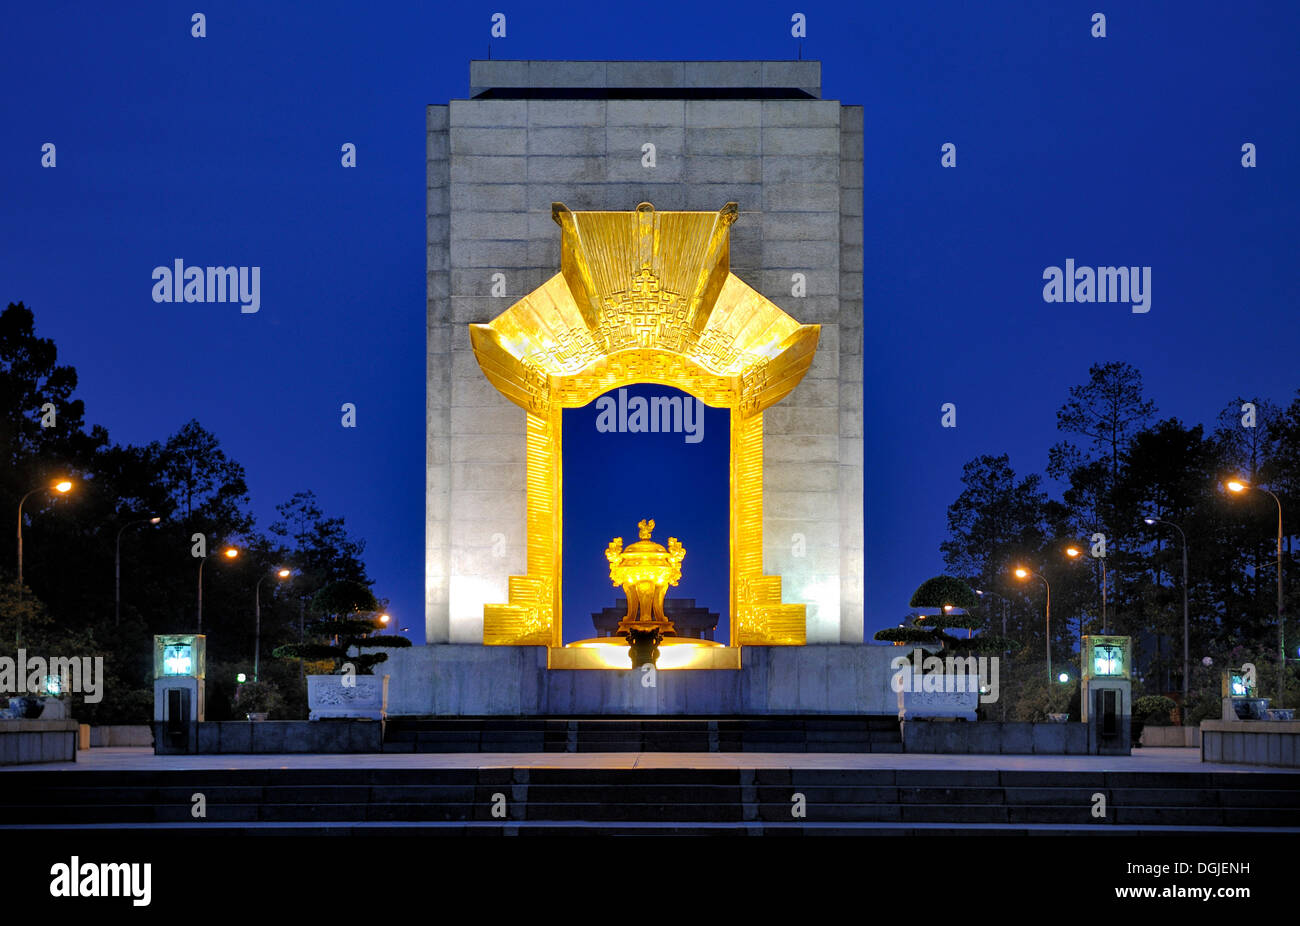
(257,700)
(26,708)
(347,617)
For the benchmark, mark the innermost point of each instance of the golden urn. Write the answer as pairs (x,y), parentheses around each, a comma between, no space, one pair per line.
(645,570)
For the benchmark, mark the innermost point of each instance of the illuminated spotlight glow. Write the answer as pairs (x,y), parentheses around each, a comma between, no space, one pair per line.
(674,652)
(1063,677)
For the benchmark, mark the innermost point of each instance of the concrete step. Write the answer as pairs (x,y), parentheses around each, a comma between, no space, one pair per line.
(667,800)
(864,733)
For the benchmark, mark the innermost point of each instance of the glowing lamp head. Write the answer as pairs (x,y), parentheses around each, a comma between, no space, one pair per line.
(1149,520)
(1022,573)
(947,609)
(1072,552)
(1063,678)
(283,573)
(231,552)
(178,659)
(384,619)
(155,520)
(63,486)
(1235,485)
(241,678)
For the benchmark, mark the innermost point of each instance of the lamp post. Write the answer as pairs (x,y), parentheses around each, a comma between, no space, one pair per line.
(302,631)
(1186,657)
(1023,573)
(1005,604)
(229,553)
(1074,553)
(117,567)
(1239,486)
(63,486)
(280,573)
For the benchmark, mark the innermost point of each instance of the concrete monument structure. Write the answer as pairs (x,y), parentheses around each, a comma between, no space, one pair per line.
(540,151)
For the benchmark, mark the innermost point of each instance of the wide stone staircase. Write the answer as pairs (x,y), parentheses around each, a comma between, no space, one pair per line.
(864,733)
(644,801)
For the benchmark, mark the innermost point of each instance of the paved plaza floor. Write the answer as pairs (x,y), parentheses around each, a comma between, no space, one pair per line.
(1142,760)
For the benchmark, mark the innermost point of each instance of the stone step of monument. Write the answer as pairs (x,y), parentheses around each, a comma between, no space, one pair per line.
(670,799)
(644,828)
(666,734)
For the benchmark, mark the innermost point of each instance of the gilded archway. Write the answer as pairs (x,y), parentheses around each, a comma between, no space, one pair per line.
(644,297)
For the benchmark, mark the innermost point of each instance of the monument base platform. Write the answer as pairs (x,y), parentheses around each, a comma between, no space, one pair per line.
(455,680)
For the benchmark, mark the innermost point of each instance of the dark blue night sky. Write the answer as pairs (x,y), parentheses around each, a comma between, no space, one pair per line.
(225,150)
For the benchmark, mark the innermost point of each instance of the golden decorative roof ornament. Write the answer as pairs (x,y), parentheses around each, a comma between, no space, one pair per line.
(644,296)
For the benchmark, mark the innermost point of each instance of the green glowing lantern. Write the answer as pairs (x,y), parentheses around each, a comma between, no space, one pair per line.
(179,667)
(1106,695)
(1107,657)
(180,655)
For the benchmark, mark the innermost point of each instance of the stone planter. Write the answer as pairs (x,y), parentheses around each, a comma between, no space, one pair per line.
(958,705)
(361,696)
(1170,736)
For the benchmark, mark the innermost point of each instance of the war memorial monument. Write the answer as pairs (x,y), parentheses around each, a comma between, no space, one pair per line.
(696,225)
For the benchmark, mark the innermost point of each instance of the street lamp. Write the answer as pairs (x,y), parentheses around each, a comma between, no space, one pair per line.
(117,567)
(228,553)
(282,574)
(1239,486)
(1023,573)
(1075,553)
(1186,657)
(63,486)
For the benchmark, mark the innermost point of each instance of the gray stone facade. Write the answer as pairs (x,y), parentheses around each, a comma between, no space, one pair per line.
(537,132)
(478,681)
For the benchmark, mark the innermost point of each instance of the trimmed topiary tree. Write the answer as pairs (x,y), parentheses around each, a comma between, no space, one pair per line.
(954,599)
(347,617)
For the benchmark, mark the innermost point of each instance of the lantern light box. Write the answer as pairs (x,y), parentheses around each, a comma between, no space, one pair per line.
(1107,657)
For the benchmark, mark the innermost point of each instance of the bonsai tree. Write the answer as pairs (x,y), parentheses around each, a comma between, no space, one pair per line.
(953,599)
(346,616)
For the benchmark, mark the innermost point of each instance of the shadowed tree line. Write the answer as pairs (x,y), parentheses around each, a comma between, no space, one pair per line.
(1119,462)
(67,603)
